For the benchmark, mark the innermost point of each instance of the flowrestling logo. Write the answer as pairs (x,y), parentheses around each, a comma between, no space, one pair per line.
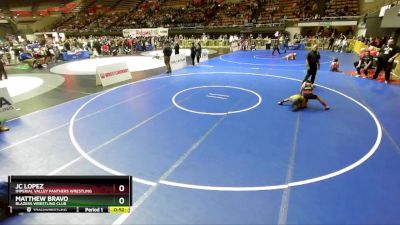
(7,108)
(113,73)
(5,105)
(178,60)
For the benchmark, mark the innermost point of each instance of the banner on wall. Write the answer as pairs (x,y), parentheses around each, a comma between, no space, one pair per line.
(145,32)
(111,74)
(7,108)
(162,31)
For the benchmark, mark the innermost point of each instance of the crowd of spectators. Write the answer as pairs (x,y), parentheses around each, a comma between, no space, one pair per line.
(276,11)
(185,13)
(41,52)
(45,51)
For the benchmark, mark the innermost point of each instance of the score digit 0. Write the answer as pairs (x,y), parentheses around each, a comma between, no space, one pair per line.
(121,200)
(121,188)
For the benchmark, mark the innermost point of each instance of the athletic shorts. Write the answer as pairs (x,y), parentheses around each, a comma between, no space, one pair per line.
(296,99)
(310,96)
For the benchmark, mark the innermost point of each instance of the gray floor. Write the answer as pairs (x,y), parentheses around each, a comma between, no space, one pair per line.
(53,93)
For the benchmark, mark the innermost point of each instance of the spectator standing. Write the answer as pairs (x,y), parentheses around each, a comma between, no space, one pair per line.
(330,42)
(193,53)
(144,45)
(176,47)
(2,70)
(198,52)
(167,56)
(386,58)
(286,42)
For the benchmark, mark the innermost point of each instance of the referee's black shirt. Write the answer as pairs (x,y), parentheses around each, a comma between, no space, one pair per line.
(313,58)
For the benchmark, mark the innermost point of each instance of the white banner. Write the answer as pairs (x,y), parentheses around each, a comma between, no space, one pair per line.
(162,31)
(235,46)
(111,74)
(204,55)
(7,108)
(328,23)
(178,61)
(145,32)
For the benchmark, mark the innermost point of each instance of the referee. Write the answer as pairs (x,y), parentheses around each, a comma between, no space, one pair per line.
(312,64)
(275,44)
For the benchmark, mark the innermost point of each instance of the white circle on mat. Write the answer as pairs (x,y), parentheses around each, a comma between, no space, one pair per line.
(266,57)
(269,64)
(341,171)
(217,113)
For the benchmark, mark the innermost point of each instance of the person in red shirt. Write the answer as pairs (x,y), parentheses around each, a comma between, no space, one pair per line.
(105,49)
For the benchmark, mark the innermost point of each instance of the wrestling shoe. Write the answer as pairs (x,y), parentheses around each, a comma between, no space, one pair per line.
(4,128)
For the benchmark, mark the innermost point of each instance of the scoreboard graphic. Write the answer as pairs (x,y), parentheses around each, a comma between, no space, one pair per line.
(74,194)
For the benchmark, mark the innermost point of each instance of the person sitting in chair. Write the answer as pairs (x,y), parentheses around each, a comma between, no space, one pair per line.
(365,63)
(28,58)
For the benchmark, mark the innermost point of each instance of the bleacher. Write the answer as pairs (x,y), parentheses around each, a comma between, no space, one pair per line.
(126,5)
(233,14)
(105,3)
(183,13)
(343,8)
(176,3)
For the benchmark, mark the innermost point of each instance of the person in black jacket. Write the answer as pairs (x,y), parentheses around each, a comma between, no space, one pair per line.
(167,56)
(2,70)
(193,53)
(198,52)
(286,42)
(176,47)
(67,46)
(386,58)
(275,44)
(330,41)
